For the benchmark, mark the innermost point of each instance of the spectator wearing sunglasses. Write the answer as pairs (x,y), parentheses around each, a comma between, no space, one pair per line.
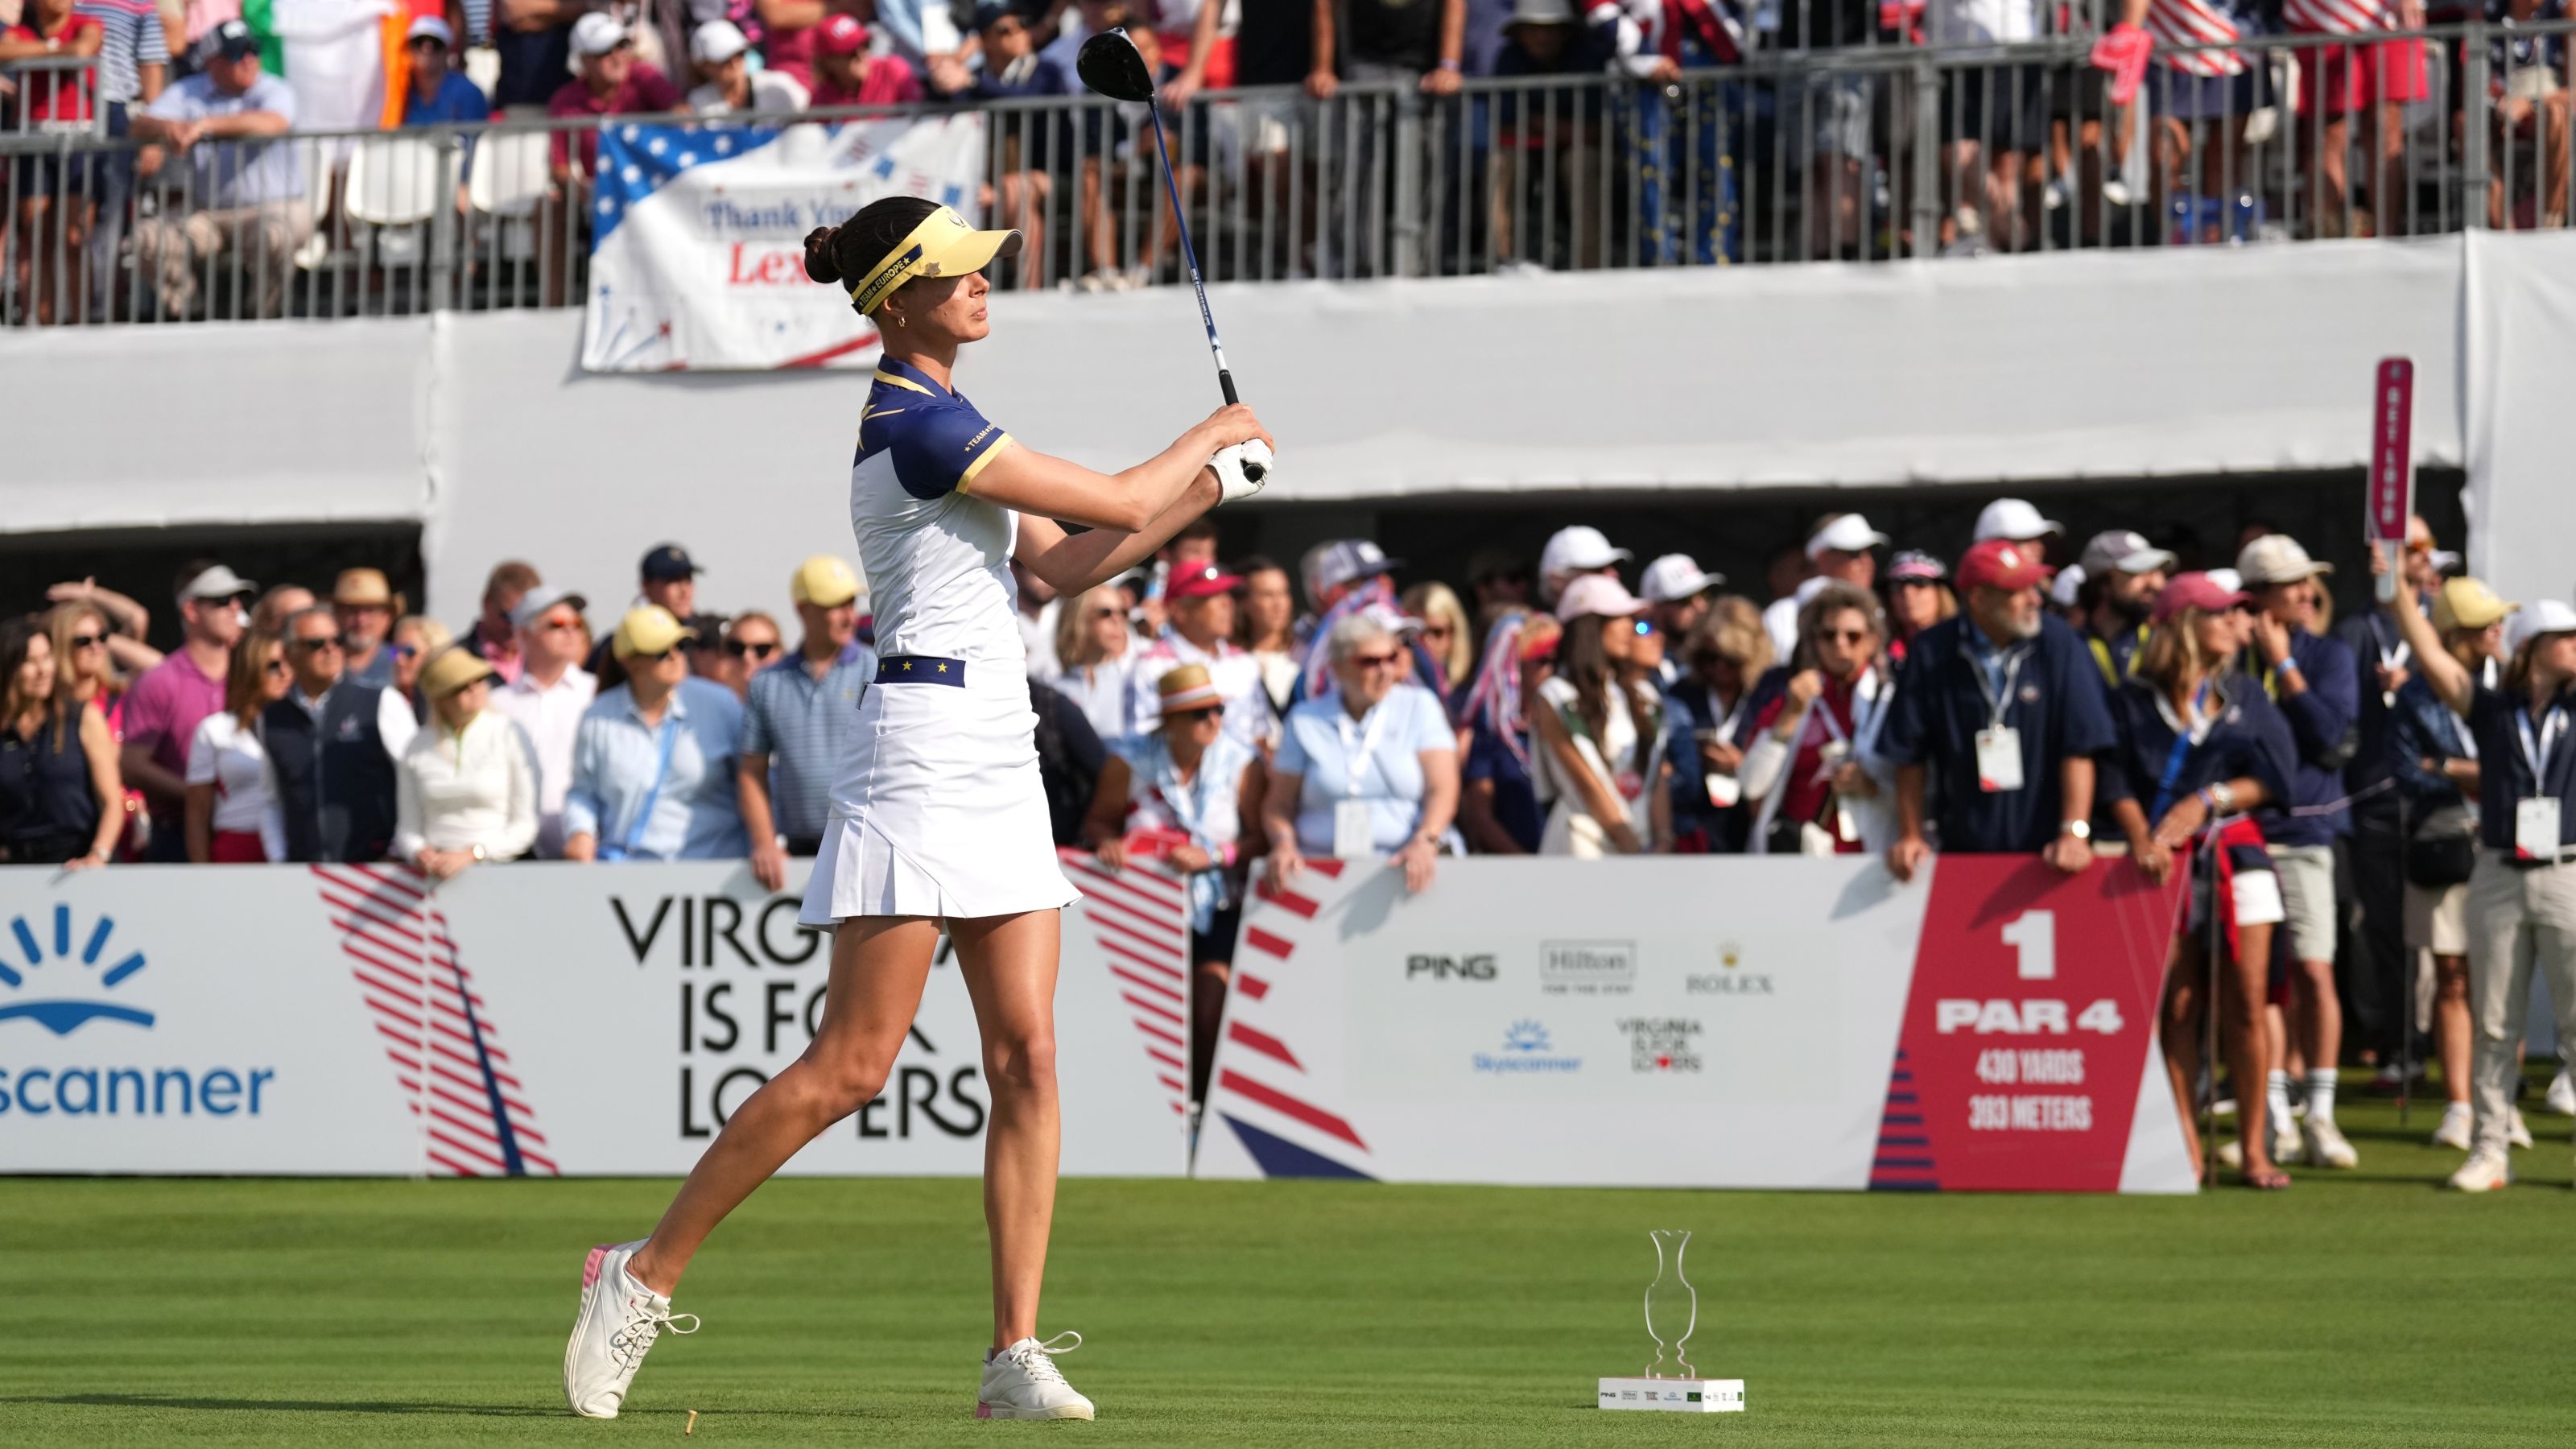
(1099,654)
(165,706)
(801,717)
(1600,727)
(754,639)
(711,661)
(415,637)
(1182,796)
(1368,770)
(334,745)
(1811,765)
(1442,635)
(1709,714)
(2001,713)
(230,819)
(653,765)
(549,697)
(1918,597)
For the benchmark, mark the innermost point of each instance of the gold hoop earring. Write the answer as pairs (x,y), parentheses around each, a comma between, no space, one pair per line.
(899,320)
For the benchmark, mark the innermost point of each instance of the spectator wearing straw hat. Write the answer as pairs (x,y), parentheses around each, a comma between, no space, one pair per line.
(1201,631)
(1187,795)
(727,85)
(1918,597)
(549,697)
(1838,551)
(2313,680)
(2123,573)
(468,788)
(2016,520)
(2522,891)
(800,720)
(653,773)
(366,605)
(2001,713)
(1676,590)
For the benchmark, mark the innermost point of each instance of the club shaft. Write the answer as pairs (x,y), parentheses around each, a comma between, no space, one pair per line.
(1189,250)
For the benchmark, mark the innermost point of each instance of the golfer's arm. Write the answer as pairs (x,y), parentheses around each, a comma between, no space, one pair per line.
(1073,563)
(1019,477)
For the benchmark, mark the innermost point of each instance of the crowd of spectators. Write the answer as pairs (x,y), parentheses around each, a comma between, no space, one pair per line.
(2129,141)
(2356,787)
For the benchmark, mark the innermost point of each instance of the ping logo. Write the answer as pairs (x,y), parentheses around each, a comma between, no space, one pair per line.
(92,967)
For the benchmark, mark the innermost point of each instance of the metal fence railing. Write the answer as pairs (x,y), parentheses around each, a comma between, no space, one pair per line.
(1861,154)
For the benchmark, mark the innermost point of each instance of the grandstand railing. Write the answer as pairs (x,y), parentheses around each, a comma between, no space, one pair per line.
(1863,154)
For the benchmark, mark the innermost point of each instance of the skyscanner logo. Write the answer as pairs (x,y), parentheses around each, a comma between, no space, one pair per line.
(65,975)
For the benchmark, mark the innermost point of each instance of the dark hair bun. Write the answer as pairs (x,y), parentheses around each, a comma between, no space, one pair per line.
(819,263)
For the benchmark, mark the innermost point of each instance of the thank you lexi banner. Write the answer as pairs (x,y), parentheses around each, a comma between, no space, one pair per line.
(697,252)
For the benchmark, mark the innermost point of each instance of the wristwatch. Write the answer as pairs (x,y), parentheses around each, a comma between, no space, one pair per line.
(2080,829)
(2222,799)
(478,853)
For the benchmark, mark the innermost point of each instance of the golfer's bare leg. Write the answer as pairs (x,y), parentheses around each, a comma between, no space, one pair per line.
(1009,963)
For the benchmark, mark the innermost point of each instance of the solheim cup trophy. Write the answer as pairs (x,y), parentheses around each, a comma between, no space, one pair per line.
(1672,1311)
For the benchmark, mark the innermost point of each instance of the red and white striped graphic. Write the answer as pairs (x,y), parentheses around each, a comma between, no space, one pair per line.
(1141,920)
(2333,17)
(2195,22)
(435,1029)
(1258,1092)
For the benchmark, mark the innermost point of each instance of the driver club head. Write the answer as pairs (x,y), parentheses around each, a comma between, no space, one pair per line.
(1110,64)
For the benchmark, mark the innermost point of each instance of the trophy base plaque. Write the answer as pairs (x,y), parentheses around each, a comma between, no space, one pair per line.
(1677,1396)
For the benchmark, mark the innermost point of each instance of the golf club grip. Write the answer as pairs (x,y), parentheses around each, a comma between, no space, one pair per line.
(1225,380)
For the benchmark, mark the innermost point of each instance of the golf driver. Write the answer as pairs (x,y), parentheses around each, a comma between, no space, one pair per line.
(1110,64)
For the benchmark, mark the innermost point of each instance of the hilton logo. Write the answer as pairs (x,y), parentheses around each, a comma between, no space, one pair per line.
(1588,968)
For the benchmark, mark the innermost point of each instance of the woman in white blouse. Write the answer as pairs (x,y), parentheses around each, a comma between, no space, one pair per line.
(1099,653)
(467,791)
(229,822)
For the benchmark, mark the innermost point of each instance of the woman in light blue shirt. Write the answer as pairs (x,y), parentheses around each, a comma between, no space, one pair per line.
(653,761)
(1369,769)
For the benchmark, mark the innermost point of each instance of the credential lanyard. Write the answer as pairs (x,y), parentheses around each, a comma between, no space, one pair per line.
(2176,757)
(1996,703)
(1365,750)
(643,817)
(2538,750)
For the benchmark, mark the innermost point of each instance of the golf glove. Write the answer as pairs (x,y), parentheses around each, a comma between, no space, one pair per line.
(1242,470)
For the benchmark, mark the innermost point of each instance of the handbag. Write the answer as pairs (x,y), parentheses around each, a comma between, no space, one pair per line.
(2443,850)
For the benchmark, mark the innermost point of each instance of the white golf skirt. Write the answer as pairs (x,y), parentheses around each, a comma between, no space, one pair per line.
(939,810)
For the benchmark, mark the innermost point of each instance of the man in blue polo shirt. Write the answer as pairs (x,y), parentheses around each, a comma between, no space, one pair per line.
(801,715)
(2003,705)
(2315,682)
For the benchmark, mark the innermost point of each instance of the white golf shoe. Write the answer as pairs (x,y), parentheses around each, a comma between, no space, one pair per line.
(1022,1382)
(2515,1130)
(2326,1146)
(2457,1119)
(2485,1171)
(2562,1094)
(2286,1143)
(619,1320)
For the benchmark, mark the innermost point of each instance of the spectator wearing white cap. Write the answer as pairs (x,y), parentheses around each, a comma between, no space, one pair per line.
(2313,680)
(1201,601)
(435,92)
(1572,551)
(467,791)
(2522,891)
(1676,591)
(2015,520)
(1918,597)
(165,706)
(2065,595)
(801,716)
(2123,573)
(727,85)
(1600,729)
(2379,964)
(2436,766)
(1839,552)
(549,697)
(653,773)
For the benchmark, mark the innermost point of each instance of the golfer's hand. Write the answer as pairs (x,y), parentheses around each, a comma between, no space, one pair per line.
(1232,424)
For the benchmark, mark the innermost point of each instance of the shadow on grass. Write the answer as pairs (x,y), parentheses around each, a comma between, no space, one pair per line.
(317,1406)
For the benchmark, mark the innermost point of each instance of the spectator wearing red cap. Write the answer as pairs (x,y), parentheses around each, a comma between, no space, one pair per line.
(1200,600)
(2197,746)
(2002,711)
(2316,683)
(845,74)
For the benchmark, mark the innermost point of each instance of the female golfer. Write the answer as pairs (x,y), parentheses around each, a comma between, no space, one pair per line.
(938,815)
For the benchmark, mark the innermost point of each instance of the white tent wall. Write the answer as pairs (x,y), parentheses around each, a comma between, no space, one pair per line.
(2133,364)
(2519,337)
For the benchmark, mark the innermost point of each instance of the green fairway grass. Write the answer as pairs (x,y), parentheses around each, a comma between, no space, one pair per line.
(2363,1308)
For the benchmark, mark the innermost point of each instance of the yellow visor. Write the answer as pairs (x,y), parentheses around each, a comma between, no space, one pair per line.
(942,246)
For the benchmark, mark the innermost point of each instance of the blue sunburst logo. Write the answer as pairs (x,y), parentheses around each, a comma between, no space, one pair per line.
(62,1017)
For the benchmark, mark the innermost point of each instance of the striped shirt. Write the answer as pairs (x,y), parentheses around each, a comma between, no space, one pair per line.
(2334,17)
(134,40)
(2195,22)
(805,726)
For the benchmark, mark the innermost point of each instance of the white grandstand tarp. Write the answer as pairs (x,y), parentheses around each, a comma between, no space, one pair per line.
(2112,365)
